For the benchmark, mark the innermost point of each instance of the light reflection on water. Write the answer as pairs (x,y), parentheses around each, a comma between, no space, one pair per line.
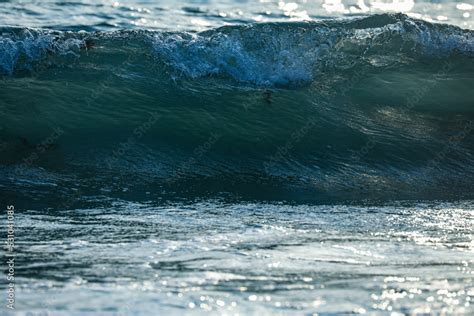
(199,15)
(264,259)
(249,258)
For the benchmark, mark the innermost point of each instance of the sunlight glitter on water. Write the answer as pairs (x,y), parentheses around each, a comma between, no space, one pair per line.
(229,258)
(189,15)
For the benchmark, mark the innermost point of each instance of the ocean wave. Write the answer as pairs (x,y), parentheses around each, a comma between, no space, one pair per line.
(377,106)
(265,54)
(283,53)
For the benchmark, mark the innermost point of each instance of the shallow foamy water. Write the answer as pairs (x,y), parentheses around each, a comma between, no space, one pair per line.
(248,258)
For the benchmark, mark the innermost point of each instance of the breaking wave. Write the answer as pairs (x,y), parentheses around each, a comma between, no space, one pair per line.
(375,107)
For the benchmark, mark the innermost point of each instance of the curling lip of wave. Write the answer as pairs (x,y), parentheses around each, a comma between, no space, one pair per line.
(263,54)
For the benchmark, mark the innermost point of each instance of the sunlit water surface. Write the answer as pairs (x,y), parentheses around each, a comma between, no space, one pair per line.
(408,258)
(204,14)
(260,258)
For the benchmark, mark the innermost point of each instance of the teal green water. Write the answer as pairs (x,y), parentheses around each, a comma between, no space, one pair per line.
(323,111)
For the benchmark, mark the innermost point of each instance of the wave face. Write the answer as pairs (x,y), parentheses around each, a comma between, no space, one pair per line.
(377,107)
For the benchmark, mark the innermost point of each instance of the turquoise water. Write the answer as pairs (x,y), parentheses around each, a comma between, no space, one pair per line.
(238,157)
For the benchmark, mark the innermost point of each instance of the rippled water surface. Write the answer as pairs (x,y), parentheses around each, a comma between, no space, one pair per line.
(179,157)
(203,14)
(409,258)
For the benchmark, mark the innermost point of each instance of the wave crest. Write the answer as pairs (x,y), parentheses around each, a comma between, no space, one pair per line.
(282,53)
(263,54)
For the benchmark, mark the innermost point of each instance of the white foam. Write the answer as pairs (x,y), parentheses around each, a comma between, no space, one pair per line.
(281,54)
(21,51)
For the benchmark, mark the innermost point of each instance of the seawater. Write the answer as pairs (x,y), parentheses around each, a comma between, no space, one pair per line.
(238,157)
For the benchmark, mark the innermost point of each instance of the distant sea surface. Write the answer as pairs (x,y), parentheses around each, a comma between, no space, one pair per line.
(238,157)
(198,15)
